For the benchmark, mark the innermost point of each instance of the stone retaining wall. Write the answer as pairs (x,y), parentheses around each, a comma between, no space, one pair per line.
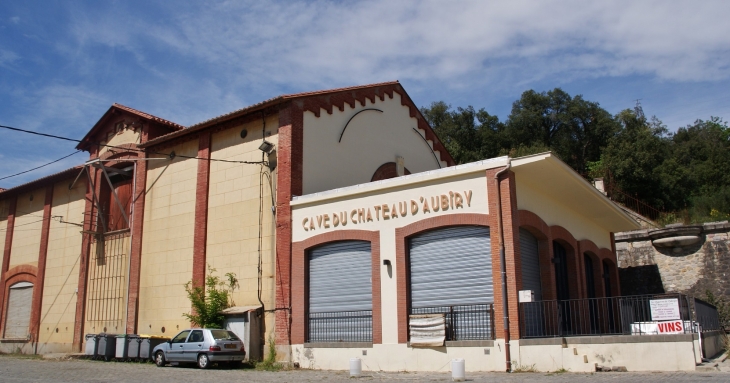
(678,258)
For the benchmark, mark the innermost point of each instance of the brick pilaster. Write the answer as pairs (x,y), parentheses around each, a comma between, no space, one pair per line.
(37,302)
(86,241)
(137,225)
(6,251)
(510,227)
(289,181)
(200,236)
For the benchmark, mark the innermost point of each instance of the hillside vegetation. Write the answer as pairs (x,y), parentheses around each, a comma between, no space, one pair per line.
(685,174)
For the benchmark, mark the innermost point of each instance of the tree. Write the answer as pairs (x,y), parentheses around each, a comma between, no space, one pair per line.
(210,299)
(702,151)
(576,130)
(468,135)
(634,156)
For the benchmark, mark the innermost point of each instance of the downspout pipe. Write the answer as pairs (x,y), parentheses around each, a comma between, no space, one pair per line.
(503,267)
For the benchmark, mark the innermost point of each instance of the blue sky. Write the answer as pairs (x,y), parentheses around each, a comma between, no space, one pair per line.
(63,63)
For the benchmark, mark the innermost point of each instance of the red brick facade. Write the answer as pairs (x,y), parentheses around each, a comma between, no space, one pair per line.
(200,236)
(576,262)
(35,312)
(386,171)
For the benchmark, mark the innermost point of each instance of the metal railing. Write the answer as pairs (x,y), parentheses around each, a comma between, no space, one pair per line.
(706,316)
(340,326)
(596,316)
(464,322)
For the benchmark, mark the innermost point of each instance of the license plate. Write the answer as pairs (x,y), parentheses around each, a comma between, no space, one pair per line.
(230,346)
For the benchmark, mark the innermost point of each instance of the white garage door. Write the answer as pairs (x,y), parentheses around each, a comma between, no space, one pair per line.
(20,299)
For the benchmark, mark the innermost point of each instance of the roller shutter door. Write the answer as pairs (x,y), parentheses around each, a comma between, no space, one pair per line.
(451,273)
(20,298)
(340,292)
(451,266)
(530,263)
(533,319)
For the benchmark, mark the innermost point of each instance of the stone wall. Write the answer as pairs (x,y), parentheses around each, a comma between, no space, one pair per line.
(678,258)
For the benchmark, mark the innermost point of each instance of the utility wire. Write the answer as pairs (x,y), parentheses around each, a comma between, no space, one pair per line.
(127,149)
(38,167)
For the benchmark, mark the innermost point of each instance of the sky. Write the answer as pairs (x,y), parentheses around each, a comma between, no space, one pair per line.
(63,63)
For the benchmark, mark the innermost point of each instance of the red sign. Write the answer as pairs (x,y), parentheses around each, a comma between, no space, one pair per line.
(671,327)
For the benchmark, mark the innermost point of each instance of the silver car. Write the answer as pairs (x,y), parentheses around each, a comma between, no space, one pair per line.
(203,346)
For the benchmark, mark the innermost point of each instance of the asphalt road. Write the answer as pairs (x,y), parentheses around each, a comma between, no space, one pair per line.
(17,369)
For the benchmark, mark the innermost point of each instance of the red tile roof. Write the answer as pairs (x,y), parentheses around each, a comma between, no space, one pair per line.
(257,106)
(37,183)
(86,141)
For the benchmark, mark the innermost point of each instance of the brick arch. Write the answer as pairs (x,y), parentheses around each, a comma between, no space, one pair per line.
(541,230)
(299,286)
(401,236)
(386,171)
(20,273)
(534,224)
(119,151)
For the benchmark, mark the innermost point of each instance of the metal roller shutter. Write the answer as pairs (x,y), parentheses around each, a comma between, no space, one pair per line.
(20,298)
(340,292)
(451,274)
(533,318)
(530,264)
(451,266)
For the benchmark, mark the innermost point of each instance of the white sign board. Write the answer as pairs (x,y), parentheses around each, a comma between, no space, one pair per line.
(664,309)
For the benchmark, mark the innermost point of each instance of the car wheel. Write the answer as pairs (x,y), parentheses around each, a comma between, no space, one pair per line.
(160,359)
(203,361)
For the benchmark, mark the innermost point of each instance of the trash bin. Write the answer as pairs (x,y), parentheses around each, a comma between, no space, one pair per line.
(132,346)
(146,346)
(121,347)
(90,344)
(106,346)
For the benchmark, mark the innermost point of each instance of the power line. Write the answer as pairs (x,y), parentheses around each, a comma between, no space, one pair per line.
(44,165)
(126,148)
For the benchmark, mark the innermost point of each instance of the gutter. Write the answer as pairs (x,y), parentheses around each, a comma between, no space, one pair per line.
(503,268)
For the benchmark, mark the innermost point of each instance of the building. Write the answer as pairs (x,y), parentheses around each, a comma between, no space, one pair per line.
(345,220)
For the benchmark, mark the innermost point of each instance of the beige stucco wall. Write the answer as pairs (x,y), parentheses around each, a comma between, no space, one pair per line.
(127,136)
(371,139)
(233,211)
(58,309)
(167,246)
(464,180)
(27,229)
(4,205)
(553,212)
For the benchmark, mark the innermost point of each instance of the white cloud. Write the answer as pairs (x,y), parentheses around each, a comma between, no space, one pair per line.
(345,42)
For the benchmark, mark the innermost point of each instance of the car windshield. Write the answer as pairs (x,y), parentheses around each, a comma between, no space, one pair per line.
(223,334)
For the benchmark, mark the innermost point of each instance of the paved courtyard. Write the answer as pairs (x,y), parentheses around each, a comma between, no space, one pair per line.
(18,369)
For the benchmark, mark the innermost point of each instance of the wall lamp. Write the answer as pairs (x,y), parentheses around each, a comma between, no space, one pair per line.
(386,262)
(266,147)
